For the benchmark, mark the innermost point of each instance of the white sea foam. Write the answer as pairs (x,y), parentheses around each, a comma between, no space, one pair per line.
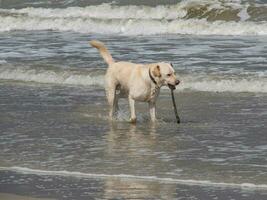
(193,82)
(135,20)
(133,26)
(25,170)
(258,85)
(50,76)
(243,14)
(107,11)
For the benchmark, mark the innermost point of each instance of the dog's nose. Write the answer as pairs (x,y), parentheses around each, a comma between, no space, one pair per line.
(177,82)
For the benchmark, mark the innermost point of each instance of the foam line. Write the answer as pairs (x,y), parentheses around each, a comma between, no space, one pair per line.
(61,77)
(24,170)
(194,82)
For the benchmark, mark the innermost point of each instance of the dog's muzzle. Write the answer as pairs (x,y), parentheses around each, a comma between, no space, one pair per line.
(172,87)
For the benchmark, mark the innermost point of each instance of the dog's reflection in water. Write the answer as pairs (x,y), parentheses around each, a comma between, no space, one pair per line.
(135,149)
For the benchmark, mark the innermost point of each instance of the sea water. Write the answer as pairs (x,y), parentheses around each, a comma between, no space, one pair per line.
(56,138)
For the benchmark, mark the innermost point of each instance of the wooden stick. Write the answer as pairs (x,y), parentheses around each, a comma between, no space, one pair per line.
(175,108)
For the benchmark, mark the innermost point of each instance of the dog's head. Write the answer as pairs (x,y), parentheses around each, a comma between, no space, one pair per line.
(165,74)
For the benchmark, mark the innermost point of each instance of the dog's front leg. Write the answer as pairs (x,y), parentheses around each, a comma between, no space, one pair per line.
(132,109)
(152,111)
(112,100)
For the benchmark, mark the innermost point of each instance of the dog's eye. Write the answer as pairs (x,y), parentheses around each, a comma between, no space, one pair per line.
(169,74)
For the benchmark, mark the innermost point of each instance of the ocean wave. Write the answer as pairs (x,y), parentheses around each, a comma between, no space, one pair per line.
(134,26)
(79,77)
(224,84)
(62,77)
(209,9)
(186,17)
(25,170)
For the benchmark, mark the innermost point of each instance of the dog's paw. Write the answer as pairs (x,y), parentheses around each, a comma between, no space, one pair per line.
(133,120)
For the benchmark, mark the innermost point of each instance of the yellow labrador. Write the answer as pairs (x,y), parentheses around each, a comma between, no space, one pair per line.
(137,82)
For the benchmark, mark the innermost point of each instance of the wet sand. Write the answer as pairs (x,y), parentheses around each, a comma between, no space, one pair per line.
(6,196)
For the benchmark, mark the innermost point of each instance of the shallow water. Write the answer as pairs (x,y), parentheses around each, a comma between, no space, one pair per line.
(56,139)
(216,64)
(220,146)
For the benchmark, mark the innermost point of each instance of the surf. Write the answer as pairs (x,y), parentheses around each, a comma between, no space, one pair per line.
(51,76)
(186,17)
(90,78)
(64,173)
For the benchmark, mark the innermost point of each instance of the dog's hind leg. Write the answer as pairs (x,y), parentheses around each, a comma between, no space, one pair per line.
(132,109)
(116,103)
(116,100)
(112,100)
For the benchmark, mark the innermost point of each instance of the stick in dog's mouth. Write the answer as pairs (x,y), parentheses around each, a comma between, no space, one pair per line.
(172,87)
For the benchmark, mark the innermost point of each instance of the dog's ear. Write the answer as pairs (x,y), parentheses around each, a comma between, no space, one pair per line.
(156,71)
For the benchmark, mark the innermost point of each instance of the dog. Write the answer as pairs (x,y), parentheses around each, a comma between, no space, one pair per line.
(137,82)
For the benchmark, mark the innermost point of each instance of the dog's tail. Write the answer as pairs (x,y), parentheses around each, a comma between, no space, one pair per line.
(103,51)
